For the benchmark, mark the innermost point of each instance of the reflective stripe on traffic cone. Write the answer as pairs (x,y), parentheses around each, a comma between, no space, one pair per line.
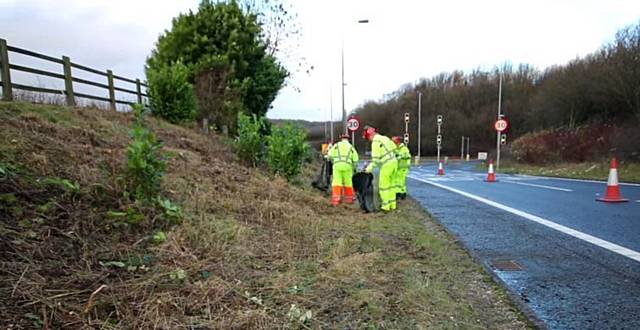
(612,195)
(440,168)
(491,175)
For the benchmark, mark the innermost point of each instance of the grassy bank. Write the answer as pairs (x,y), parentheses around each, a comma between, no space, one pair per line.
(627,171)
(252,252)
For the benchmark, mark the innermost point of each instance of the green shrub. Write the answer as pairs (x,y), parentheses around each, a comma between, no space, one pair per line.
(170,93)
(287,150)
(145,161)
(250,141)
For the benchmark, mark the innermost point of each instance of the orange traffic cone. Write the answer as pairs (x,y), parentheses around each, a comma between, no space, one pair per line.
(612,195)
(491,175)
(440,168)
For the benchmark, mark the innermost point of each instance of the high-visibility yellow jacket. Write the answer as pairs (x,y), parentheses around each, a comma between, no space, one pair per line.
(404,156)
(382,151)
(343,154)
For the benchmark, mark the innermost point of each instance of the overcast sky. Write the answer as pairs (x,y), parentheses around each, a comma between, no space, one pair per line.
(403,41)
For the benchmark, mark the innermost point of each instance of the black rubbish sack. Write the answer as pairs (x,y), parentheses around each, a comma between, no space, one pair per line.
(363,185)
(323,180)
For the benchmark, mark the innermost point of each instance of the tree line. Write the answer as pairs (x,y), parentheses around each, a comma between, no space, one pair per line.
(600,88)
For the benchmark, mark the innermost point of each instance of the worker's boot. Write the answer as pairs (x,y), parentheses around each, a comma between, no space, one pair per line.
(348,195)
(335,196)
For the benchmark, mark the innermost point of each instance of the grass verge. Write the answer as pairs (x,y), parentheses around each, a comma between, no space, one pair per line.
(627,171)
(253,251)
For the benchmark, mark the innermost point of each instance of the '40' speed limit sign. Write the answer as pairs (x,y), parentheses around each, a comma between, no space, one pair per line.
(353,124)
(501,125)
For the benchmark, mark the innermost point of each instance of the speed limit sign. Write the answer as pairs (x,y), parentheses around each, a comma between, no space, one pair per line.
(353,124)
(501,125)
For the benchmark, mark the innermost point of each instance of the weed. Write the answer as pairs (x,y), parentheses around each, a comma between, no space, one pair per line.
(146,163)
(178,275)
(170,211)
(132,216)
(250,141)
(159,237)
(287,150)
(65,184)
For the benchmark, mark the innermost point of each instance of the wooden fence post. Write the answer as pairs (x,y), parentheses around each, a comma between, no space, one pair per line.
(68,81)
(112,91)
(139,91)
(7,94)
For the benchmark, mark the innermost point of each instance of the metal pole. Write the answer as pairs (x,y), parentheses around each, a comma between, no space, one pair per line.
(331,111)
(462,149)
(344,111)
(468,138)
(438,144)
(419,122)
(499,114)
(325,131)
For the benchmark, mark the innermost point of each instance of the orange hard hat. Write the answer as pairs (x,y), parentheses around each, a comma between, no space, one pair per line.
(368,132)
(397,140)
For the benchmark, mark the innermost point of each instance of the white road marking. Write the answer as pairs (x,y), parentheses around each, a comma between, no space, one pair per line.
(577,180)
(572,232)
(538,185)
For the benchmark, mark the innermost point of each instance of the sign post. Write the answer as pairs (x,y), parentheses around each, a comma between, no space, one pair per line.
(468,156)
(406,122)
(439,136)
(499,118)
(406,128)
(500,125)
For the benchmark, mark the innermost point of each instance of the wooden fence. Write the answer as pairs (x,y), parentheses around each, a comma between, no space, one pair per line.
(68,92)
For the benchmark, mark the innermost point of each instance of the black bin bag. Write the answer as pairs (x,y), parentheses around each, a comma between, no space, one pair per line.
(323,181)
(363,185)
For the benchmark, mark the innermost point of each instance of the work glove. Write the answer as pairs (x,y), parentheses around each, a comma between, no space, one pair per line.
(369,168)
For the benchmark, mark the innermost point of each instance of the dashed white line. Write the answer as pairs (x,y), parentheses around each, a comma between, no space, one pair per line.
(577,180)
(572,232)
(538,185)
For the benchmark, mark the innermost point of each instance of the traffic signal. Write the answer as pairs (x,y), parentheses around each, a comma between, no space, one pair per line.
(503,139)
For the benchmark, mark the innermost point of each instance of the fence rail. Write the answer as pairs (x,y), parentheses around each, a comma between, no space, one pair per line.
(69,80)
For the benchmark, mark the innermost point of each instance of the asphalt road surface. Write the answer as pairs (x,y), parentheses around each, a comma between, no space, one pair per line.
(571,261)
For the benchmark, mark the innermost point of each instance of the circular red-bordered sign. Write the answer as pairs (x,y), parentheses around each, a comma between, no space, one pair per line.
(501,125)
(353,124)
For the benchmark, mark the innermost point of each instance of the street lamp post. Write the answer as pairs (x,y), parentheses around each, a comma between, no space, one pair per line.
(499,117)
(419,123)
(344,110)
(331,112)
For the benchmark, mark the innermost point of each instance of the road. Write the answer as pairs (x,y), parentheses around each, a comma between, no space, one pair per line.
(579,259)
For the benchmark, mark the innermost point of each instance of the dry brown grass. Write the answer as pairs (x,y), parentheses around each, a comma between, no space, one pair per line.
(250,247)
